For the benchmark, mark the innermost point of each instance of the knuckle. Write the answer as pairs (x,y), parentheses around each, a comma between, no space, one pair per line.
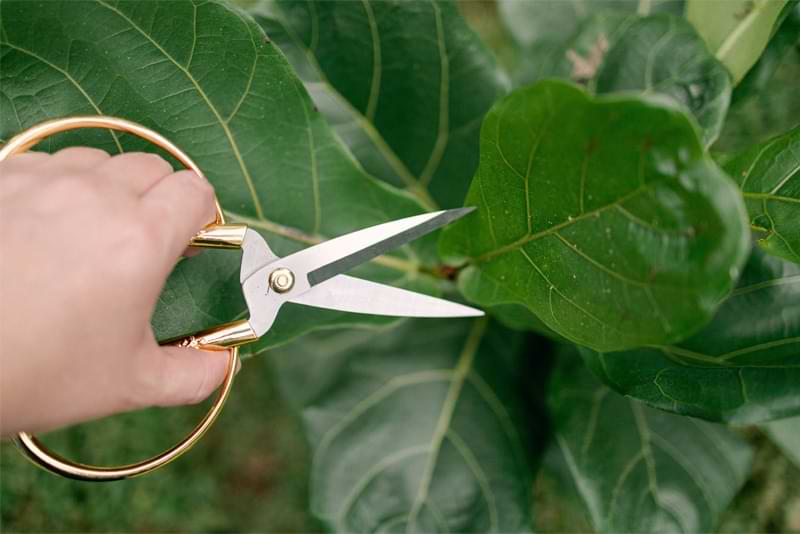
(81,152)
(143,161)
(197,183)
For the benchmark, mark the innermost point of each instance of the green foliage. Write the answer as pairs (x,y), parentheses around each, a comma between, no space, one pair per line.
(582,199)
(603,221)
(637,469)
(662,54)
(414,430)
(737,31)
(405,84)
(769,176)
(786,434)
(743,367)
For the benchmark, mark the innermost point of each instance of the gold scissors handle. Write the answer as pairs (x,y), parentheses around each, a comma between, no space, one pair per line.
(222,338)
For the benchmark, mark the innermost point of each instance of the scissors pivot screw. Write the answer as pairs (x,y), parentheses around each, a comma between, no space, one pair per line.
(281,280)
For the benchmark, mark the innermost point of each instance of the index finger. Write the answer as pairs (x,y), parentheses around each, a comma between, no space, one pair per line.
(180,205)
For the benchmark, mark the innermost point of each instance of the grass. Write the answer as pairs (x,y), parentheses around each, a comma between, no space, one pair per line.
(247,474)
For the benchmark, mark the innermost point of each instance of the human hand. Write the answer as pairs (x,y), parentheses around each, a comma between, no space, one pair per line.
(86,243)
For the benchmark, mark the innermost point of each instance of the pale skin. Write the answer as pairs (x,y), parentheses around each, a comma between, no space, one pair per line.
(87,241)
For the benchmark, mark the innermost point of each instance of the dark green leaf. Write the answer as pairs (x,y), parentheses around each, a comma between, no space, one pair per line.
(786,434)
(602,215)
(636,469)
(413,429)
(743,367)
(769,176)
(406,85)
(737,31)
(772,111)
(780,46)
(663,54)
(205,76)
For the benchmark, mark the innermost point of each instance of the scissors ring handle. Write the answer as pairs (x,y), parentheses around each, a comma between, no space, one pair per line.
(215,235)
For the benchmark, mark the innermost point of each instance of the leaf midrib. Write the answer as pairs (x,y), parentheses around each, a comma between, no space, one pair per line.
(519,243)
(234,146)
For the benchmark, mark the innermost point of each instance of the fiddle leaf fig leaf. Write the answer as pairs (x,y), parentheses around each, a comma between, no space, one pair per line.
(769,177)
(415,430)
(744,367)
(634,468)
(602,215)
(737,31)
(206,77)
(405,84)
(663,54)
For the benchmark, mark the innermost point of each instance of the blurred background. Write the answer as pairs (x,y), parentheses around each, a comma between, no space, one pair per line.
(250,472)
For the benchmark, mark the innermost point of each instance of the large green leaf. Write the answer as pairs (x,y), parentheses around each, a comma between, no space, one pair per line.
(769,177)
(663,54)
(737,31)
(786,434)
(415,430)
(636,469)
(206,77)
(406,85)
(602,215)
(743,367)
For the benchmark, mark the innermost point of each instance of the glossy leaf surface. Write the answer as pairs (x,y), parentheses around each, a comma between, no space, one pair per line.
(737,31)
(769,176)
(744,367)
(406,85)
(663,54)
(636,469)
(413,430)
(205,76)
(602,215)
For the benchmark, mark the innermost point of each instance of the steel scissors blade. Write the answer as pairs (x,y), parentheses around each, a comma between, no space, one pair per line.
(313,276)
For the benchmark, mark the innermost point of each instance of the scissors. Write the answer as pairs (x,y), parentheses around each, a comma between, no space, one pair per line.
(313,277)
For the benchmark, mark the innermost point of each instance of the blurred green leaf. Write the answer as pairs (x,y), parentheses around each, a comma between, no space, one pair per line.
(786,434)
(737,31)
(769,176)
(636,469)
(780,46)
(602,215)
(416,429)
(613,50)
(772,111)
(405,84)
(206,77)
(554,35)
(662,54)
(744,367)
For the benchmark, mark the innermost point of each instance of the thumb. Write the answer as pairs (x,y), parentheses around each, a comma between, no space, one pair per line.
(175,376)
